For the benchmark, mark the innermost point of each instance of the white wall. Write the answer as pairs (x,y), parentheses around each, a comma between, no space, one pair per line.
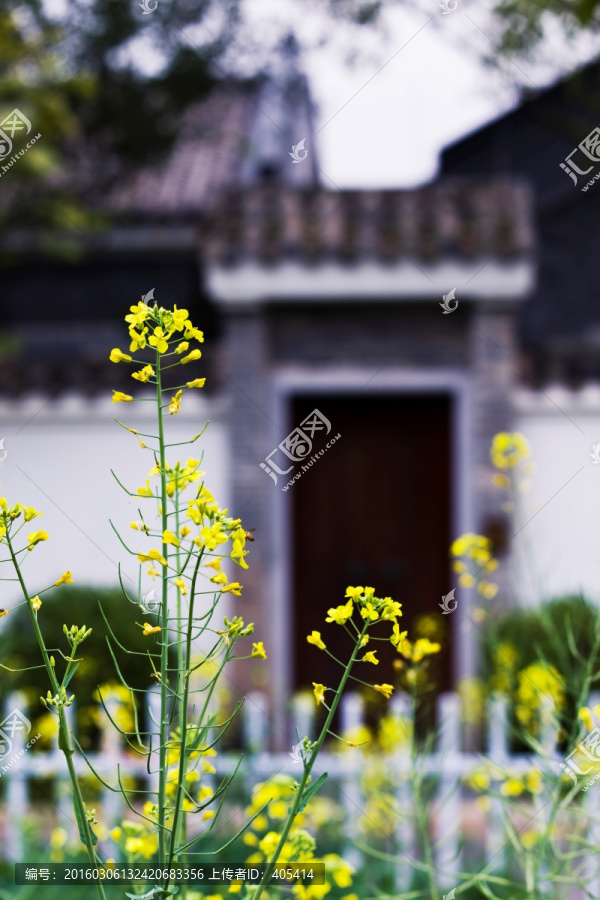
(558,549)
(59,456)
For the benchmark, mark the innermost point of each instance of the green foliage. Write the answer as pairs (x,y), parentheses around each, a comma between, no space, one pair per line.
(560,632)
(524,23)
(73,604)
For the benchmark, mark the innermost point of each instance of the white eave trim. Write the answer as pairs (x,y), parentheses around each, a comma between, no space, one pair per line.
(250,283)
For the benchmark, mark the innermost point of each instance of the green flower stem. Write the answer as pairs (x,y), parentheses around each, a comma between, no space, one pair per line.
(183,716)
(65,741)
(164,654)
(420,812)
(308,766)
(182,701)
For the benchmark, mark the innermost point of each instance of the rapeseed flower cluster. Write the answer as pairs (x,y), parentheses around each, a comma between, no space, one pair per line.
(373,610)
(508,454)
(12,521)
(269,806)
(509,449)
(138,840)
(474,561)
(493,779)
(202,528)
(361,603)
(539,685)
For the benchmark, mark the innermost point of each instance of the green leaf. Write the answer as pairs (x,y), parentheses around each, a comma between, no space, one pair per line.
(63,743)
(70,675)
(81,825)
(310,792)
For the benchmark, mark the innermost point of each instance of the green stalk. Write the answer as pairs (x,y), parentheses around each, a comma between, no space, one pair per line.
(63,724)
(420,813)
(164,655)
(182,704)
(308,766)
(183,716)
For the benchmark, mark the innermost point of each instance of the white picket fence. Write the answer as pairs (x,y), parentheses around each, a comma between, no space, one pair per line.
(448,762)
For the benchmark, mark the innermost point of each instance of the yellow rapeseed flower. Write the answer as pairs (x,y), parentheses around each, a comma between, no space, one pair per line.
(159,340)
(398,637)
(196,383)
(234,588)
(315,638)
(319,692)
(340,614)
(195,354)
(512,787)
(118,356)
(35,602)
(150,629)
(370,657)
(258,650)
(152,554)
(30,513)
(175,404)
(145,491)
(385,689)
(508,450)
(35,537)
(65,578)
(144,374)
(368,611)
(170,538)
(424,647)
(120,397)
(180,583)
(211,536)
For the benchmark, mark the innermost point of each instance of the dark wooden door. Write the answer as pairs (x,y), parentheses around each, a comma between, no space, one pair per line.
(373,510)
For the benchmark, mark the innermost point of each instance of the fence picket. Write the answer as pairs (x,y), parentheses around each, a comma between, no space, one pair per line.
(449,762)
(449,811)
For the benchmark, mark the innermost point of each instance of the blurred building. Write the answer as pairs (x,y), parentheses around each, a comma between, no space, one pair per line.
(351,414)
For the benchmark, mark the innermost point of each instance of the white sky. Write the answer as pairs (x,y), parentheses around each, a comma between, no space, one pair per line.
(433,89)
(417,85)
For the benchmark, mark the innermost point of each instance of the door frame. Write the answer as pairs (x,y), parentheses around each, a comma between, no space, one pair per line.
(292,380)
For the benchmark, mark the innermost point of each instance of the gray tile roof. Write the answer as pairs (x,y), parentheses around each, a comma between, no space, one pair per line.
(224,141)
(269,223)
